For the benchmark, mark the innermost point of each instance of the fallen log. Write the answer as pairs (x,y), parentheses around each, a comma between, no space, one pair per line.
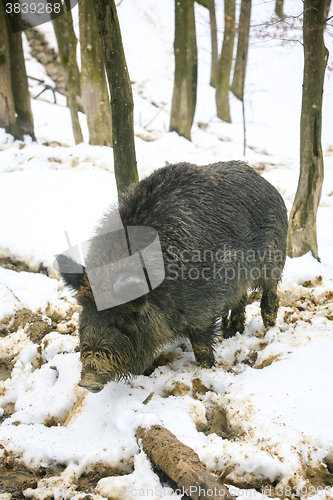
(181,464)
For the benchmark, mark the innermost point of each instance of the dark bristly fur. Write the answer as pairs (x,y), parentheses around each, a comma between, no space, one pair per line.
(224,206)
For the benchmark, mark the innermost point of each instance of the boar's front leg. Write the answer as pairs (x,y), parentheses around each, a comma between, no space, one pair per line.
(203,346)
(236,322)
(269,304)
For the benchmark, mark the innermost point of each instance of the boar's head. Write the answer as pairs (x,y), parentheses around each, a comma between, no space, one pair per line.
(117,342)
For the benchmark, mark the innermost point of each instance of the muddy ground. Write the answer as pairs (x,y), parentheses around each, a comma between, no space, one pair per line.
(303,304)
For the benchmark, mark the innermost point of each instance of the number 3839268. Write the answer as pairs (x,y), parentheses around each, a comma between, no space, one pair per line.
(33,8)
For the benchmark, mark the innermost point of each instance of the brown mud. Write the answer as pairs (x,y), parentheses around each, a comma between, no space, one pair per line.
(302,303)
(19,265)
(37,325)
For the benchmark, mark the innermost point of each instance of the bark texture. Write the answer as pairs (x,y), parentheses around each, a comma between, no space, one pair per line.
(181,464)
(213,36)
(20,85)
(121,94)
(238,81)
(72,78)
(223,80)
(302,231)
(186,69)
(60,25)
(7,106)
(95,97)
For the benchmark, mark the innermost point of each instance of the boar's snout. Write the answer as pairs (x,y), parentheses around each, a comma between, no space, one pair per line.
(91,380)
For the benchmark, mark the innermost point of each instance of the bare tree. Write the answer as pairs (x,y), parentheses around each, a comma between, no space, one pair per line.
(121,93)
(7,105)
(213,36)
(95,97)
(20,84)
(302,231)
(66,40)
(223,79)
(238,81)
(186,68)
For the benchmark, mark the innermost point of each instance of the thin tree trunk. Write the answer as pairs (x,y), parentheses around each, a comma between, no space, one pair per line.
(20,84)
(186,68)
(7,106)
(72,76)
(121,94)
(279,9)
(61,33)
(95,97)
(66,40)
(238,81)
(223,81)
(302,231)
(213,36)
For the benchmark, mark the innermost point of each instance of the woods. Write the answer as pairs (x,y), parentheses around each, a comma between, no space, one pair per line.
(302,236)
(108,102)
(186,68)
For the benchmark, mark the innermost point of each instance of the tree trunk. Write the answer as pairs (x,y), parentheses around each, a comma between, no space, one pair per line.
(20,85)
(72,76)
(66,40)
(61,32)
(7,106)
(279,9)
(186,68)
(213,36)
(95,97)
(302,231)
(238,81)
(121,94)
(223,80)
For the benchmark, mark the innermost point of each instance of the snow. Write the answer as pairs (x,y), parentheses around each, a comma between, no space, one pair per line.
(274,387)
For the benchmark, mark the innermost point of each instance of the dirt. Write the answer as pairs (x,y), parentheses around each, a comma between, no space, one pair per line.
(5,369)
(217,421)
(19,266)
(37,325)
(15,477)
(268,362)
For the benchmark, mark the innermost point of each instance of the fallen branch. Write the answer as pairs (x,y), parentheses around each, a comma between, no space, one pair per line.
(181,464)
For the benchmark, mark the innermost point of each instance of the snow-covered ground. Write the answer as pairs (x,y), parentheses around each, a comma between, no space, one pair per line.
(268,402)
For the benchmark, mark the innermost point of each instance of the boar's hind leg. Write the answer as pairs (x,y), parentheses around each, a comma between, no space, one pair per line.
(203,347)
(236,322)
(269,304)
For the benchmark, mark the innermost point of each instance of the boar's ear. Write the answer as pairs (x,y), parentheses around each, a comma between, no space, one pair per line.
(132,289)
(71,272)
